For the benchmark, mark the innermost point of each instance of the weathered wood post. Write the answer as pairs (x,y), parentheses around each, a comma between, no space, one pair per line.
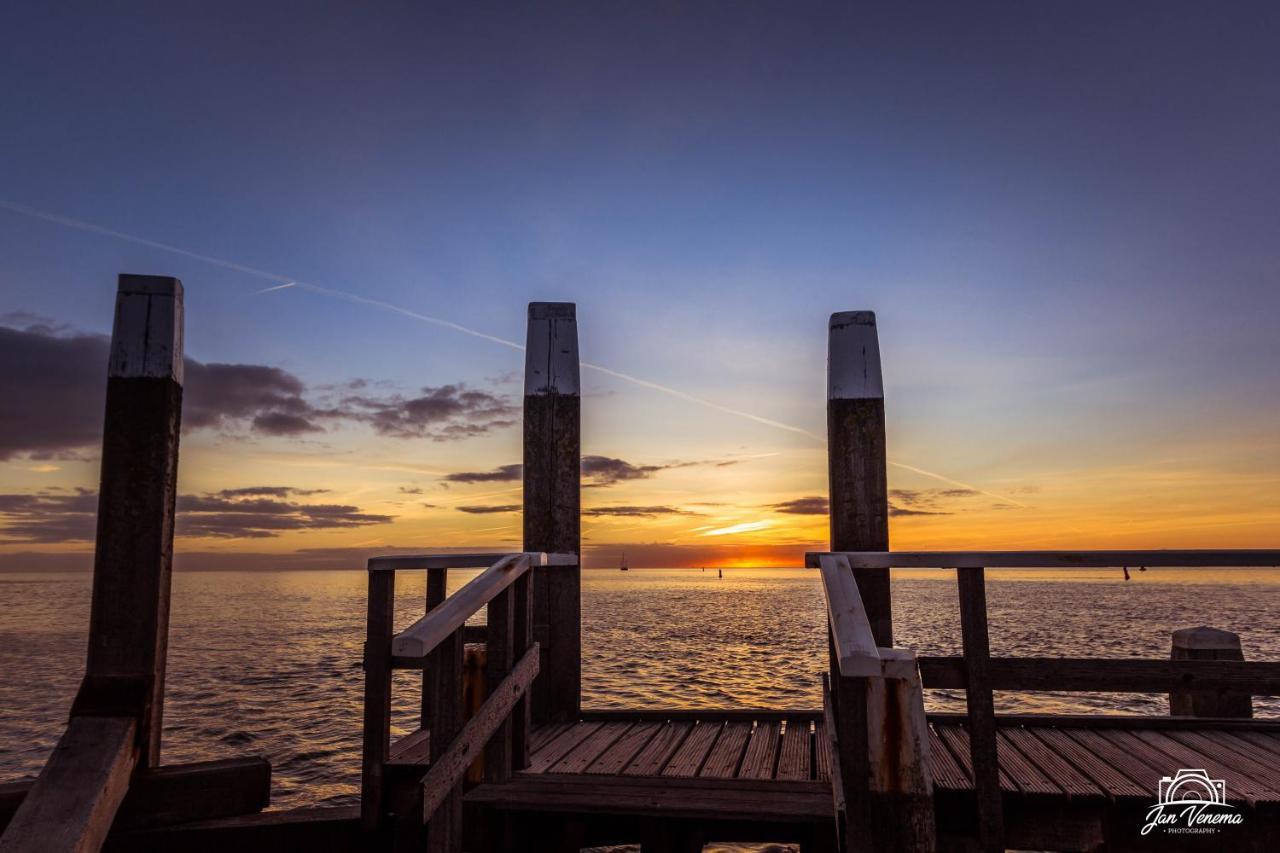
(1206,643)
(552,474)
(901,784)
(856,461)
(116,715)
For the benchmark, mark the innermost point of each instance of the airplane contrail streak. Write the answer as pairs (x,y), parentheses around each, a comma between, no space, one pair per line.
(286,282)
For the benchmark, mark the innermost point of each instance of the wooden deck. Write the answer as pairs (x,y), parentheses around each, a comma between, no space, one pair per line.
(771,774)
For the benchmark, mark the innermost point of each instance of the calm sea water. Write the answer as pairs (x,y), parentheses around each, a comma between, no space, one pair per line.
(269,662)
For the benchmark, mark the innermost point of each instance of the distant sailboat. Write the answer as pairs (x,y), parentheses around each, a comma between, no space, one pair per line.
(1126,573)
(721,572)
(623,567)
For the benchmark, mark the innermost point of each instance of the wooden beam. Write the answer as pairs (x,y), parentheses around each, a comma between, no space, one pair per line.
(129,616)
(499,660)
(981,708)
(883,559)
(410,562)
(176,793)
(1110,675)
(452,614)
(552,503)
(437,592)
(451,763)
(74,799)
(857,472)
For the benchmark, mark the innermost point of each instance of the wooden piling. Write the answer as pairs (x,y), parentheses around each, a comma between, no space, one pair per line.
(901,784)
(1206,643)
(116,716)
(552,474)
(858,479)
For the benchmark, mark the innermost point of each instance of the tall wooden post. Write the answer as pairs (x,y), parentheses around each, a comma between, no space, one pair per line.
(116,716)
(552,475)
(856,461)
(1206,643)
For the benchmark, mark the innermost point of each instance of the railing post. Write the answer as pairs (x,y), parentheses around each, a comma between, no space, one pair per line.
(858,479)
(437,582)
(552,474)
(981,708)
(377,695)
(500,658)
(902,817)
(522,630)
(1206,643)
(117,713)
(447,715)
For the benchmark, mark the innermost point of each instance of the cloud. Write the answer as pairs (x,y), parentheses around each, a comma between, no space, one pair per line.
(250,513)
(635,511)
(57,380)
(501,474)
(896,511)
(489,510)
(447,412)
(812,505)
(607,470)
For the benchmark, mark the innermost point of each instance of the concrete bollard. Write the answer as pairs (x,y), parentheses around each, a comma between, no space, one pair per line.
(1206,643)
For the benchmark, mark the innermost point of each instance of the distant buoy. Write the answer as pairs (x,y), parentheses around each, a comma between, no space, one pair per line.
(1126,573)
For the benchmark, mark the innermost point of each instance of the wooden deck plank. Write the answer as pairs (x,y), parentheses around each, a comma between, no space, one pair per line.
(1239,784)
(1222,747)
(589,748)
(1063,773)
(1263,740)
(696,798)
(619,755)
(1144,766)
(946,771)
(1029,778)
(1250,747)
(542,735)
(650,760)
(821,752)
(686,760)
(1232,750)
(793,754)
(1110,780)
(723,760)
(559,746)
(957,740)
(762,749)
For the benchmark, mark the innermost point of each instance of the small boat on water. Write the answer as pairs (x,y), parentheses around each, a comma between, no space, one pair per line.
(623,567)
(721,572)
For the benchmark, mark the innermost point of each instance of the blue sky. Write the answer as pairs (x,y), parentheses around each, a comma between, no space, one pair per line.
(1063,214)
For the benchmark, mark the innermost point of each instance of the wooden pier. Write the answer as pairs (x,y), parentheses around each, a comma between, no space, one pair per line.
(525,768)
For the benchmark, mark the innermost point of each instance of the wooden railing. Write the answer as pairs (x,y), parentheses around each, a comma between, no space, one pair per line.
(980,674)
(419,779)
(877,733)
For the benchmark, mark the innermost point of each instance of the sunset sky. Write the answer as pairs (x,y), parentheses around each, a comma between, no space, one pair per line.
(1065,217)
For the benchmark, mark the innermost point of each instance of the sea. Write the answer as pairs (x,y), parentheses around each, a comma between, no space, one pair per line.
(268,662)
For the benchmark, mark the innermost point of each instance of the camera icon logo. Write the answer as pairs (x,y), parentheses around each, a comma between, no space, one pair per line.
(1192,786)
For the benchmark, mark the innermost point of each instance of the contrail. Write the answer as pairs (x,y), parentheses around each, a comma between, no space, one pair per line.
(285,282)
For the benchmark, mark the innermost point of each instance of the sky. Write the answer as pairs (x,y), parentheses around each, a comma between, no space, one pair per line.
(1063,214)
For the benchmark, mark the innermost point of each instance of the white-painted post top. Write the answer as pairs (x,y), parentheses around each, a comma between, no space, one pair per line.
(853,357)
(146,341)
(1205,637)
(551,351)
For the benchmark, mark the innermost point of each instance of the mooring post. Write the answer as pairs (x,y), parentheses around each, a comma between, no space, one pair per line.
(116,716)
(552,474)
(1206,643)
(858,480)
(901,784)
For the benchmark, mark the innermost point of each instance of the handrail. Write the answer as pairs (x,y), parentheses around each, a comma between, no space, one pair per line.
(406,562)
(854,646)
(1231,558)
(418,640)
